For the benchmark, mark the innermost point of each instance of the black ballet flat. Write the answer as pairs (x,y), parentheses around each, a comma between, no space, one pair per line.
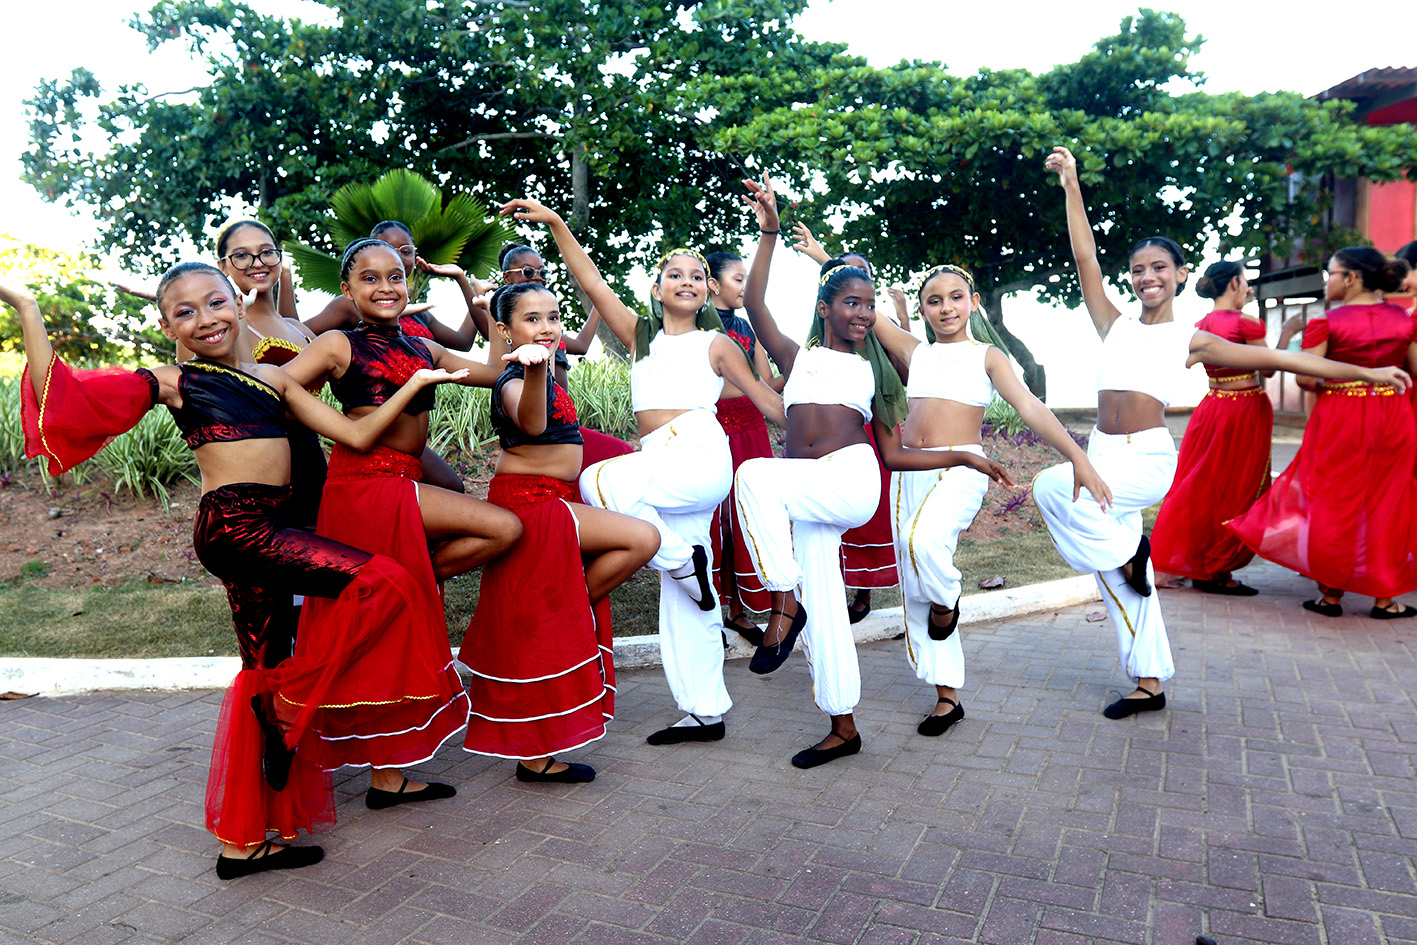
(1137,581)
(376,799)
(933,725)
(286,858)
(675,734)
(276,758)
(746,629)
(1382,613)
(812,757)
(857,610)
(1218,587)
(574,773)
(1124,707)
(768,658)
(1323,608)
(942,631)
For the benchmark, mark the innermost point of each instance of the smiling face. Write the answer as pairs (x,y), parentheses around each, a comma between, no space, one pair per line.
(535,320)
(525,259)
(849,316)
(1155,276)
(200,311)
(945,304)
(248,240)
(683,285)
(376,284)
(727,289)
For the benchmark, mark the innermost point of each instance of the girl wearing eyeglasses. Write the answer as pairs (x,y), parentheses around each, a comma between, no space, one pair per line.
(680,359)
(1345,510)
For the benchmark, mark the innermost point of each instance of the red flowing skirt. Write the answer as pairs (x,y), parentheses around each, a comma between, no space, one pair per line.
(1222,469)
(1345,511)
(401,714)
(597,446)
(868,552)
(543,672)
(747,439)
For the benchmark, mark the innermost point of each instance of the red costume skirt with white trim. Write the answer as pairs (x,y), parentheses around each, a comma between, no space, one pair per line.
(747,439)
(402,714)
(868,552)
(1345,511)
(543,673)
(1222,469)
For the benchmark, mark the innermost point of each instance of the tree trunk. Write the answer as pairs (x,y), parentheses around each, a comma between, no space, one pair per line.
(1033,373)
(580,174)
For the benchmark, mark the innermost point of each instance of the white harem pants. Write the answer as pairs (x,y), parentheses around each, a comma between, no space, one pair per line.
(680,475)
(793,513)
(929,509)
(1138,468)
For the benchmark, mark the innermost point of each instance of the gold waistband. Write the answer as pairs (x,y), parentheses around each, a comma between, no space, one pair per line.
(1358,389)
(1223,392)
(1230,378)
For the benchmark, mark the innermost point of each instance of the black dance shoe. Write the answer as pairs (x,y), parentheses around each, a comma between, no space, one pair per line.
(276,758)
(1138,581)
(942,631)
(811,757)
(375,799)
(697,584)
(1124,707)
(263,858)
(675,734)
(574,773)
(771,656)
(933,725)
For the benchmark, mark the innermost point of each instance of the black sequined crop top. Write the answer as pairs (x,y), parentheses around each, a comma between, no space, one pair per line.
(381,360)
(221,404)
(562,425)
(740,330)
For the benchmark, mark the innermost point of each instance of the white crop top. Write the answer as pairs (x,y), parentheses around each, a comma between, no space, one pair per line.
(676,374)
(951,371)
(1149,359)
(823,376)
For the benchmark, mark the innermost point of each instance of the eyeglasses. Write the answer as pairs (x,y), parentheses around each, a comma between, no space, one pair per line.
(242,260)
(408,252)
(1339,272)
(528,273)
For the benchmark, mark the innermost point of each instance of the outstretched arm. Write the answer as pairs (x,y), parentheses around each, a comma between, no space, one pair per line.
(782,349)
(361,434)
(286,295)
(902,311)
(807,244)
(1094,294)
(618,317)
(340,313)
(38,351)
(1212,349)
(1042,421)
(898,342)
(525,400)
(730,364)
(474,293)
(899,458)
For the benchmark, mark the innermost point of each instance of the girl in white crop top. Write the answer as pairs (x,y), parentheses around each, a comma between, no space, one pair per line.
(951,381)
(683,469)
(1140,457)
(794,509)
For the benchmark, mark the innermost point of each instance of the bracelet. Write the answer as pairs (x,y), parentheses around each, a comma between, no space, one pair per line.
(769,232)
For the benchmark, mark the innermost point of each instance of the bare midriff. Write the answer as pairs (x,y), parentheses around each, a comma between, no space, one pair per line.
(1128,411)
(224,463)
(814,430)
(651,420)
(407,434)
(556,460)
(935,422)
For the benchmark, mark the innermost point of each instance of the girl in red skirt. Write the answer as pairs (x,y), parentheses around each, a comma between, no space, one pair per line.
(375,500)
(539,645)
(370,659)
(1345,511)
(1223,464)
(740,589)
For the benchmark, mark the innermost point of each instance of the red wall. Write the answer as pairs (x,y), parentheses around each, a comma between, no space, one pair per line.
(1392,210)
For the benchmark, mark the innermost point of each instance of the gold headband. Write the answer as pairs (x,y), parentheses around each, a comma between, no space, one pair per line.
(683,251)
(832,271)
(948,267)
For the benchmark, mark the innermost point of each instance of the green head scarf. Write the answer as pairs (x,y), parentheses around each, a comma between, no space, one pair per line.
(889,403)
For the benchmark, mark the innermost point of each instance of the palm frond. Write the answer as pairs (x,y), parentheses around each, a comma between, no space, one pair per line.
(317,269)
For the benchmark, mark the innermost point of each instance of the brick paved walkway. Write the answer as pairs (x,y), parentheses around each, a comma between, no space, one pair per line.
(1274,802)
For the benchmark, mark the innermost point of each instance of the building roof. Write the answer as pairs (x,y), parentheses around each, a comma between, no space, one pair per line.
(1377,90)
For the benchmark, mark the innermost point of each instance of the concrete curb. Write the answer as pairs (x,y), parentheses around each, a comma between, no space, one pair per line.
(52,677)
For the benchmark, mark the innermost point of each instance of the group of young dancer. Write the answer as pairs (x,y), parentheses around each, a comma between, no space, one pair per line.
(880,426)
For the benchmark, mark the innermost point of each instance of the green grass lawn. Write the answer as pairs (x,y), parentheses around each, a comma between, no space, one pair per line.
(147,620)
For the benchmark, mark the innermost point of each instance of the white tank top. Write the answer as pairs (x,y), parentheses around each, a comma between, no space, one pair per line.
(953,371)
(823,376)
(1149,359)
(676,374)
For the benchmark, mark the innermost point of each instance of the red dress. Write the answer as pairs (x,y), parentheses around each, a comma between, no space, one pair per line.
(747,439)
(1222,468)
(1345,511)
(868,552)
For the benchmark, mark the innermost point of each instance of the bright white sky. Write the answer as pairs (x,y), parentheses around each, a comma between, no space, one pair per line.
(1249,48)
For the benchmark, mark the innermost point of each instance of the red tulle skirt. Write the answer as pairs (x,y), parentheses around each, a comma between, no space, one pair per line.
(747,439)
(543,673)
(400,715)
(80,412)
(868,552)
(1222,469)
(1345,511)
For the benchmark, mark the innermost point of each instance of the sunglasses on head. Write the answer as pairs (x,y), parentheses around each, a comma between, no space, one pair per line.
(528,273)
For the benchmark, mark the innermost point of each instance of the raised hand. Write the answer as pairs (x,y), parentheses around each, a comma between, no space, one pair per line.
(1062,163)
(764,203)
(450,270)
(15,294)
(529,355)
(427,376)
(806,243)
(897,295)
(135,291)
(1395,377)
(530,211)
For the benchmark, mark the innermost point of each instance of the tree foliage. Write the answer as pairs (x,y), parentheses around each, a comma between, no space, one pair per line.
(929,167)
(88,320)
(577,102)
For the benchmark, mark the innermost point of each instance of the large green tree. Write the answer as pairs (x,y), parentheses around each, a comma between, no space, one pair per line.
(575,101)
(928,167)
